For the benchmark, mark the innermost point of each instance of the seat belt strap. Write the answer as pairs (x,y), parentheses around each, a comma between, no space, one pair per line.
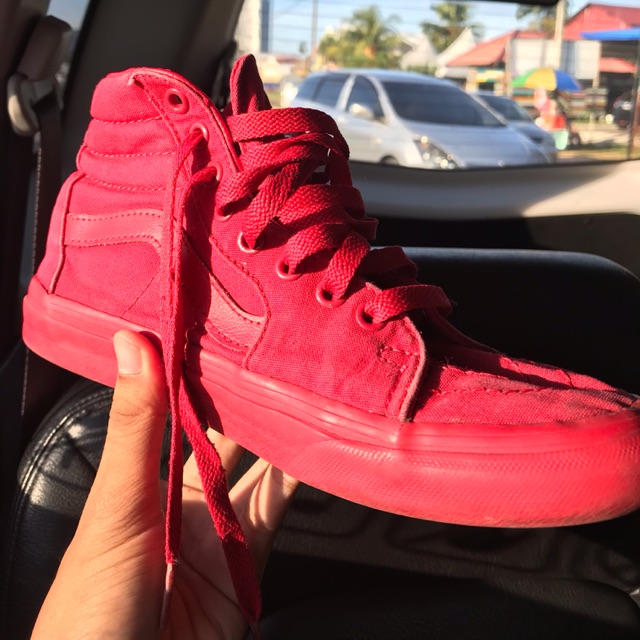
(34,107)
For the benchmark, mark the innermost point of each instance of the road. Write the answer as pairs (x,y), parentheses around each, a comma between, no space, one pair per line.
(600,141)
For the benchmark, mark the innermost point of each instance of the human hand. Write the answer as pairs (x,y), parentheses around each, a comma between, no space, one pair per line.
(110,583)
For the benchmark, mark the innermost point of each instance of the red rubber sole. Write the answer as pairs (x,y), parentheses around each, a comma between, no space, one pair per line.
(484,475)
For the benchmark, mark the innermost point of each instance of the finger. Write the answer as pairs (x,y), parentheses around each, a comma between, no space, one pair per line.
(137,418)
(230,454)
(261,499)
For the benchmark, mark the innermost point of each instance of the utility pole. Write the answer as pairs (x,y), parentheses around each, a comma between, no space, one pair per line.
(314,33)
(561,12)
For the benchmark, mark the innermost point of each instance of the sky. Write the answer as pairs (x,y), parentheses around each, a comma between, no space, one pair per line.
(291,19)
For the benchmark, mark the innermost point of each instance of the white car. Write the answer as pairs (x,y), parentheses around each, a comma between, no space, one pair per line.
(518,117)
(414,120)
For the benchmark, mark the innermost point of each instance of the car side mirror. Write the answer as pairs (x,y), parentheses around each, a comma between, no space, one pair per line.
(361,111)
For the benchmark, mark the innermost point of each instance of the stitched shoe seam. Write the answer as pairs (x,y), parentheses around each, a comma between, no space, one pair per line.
(415,358)
(241,347)
(95,242)
(493,390)
(399,369)
(122,187)
(208,322)
(144,290)
(128,155)
(263,295)
(139,121)
(211,277)
(113,216)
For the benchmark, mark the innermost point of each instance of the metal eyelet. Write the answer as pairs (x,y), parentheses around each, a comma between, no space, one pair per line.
(244,247)
(176,101)
(326,299)
(200,127)
(365,321)
(282,269)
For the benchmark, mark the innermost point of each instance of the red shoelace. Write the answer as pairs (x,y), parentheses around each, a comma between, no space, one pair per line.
(294,169)
(281,153)
(185,416)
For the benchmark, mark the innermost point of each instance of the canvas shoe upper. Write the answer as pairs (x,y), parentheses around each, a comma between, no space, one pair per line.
(238,239)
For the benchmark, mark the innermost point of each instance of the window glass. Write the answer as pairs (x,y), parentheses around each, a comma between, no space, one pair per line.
(364,93)
(308,87)
(579,110)
(329,90)
(71,12)
(506,107)
(438,104)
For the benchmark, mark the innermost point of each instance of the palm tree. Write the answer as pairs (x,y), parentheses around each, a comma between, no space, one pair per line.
(454,18)
(542,18)
(366,40)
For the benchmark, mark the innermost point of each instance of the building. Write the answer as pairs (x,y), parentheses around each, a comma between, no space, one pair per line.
(598,17)
(491,64)
(253,31)
(417,52)
(466,41)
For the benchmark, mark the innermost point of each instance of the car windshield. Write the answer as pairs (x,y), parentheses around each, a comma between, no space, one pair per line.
(422,102)
(508,109)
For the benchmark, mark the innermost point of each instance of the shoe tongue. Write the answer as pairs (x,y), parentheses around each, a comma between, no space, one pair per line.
(247,90)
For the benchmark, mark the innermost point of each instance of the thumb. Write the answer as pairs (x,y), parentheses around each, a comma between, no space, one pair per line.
(132,449)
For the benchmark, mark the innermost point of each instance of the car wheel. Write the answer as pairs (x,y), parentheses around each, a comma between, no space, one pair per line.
(575,142)
(389,160)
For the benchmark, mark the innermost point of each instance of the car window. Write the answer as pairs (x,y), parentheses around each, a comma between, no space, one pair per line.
(329,90)
(308,87)
(363,92)
(438,105)
(507,108)
(488,47)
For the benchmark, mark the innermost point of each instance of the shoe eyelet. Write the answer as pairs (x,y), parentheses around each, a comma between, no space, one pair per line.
(200,127)
(365,321)
(282,269)
(221,217)
(325,298)
(244,247)
(176,101)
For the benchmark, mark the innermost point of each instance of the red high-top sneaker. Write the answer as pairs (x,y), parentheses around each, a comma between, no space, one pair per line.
(238,238)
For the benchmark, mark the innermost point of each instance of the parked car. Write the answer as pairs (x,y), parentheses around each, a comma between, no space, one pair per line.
(414,120)
(519,118)
(621,112)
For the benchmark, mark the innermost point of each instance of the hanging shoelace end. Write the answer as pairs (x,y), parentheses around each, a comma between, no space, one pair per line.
(166,598)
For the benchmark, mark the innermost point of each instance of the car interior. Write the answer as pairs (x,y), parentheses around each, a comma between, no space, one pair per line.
(540,262)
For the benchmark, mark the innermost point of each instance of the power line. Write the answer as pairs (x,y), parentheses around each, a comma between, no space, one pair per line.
(284,12)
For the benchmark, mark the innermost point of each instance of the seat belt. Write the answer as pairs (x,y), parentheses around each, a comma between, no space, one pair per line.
(34,107)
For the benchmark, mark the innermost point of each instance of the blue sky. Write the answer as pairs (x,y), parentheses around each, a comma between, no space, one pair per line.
(292,18)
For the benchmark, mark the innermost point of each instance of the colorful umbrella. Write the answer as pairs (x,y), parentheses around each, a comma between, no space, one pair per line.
(546,78)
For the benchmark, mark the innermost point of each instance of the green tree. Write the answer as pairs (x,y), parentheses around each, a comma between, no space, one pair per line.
(453,19)
(365,40)
(540,18)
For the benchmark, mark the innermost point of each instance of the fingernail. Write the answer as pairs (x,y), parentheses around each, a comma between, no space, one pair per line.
(128,355)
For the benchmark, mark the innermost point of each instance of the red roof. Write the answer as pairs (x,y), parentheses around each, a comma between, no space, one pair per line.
(491,52)
(598,17)
(616,65)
